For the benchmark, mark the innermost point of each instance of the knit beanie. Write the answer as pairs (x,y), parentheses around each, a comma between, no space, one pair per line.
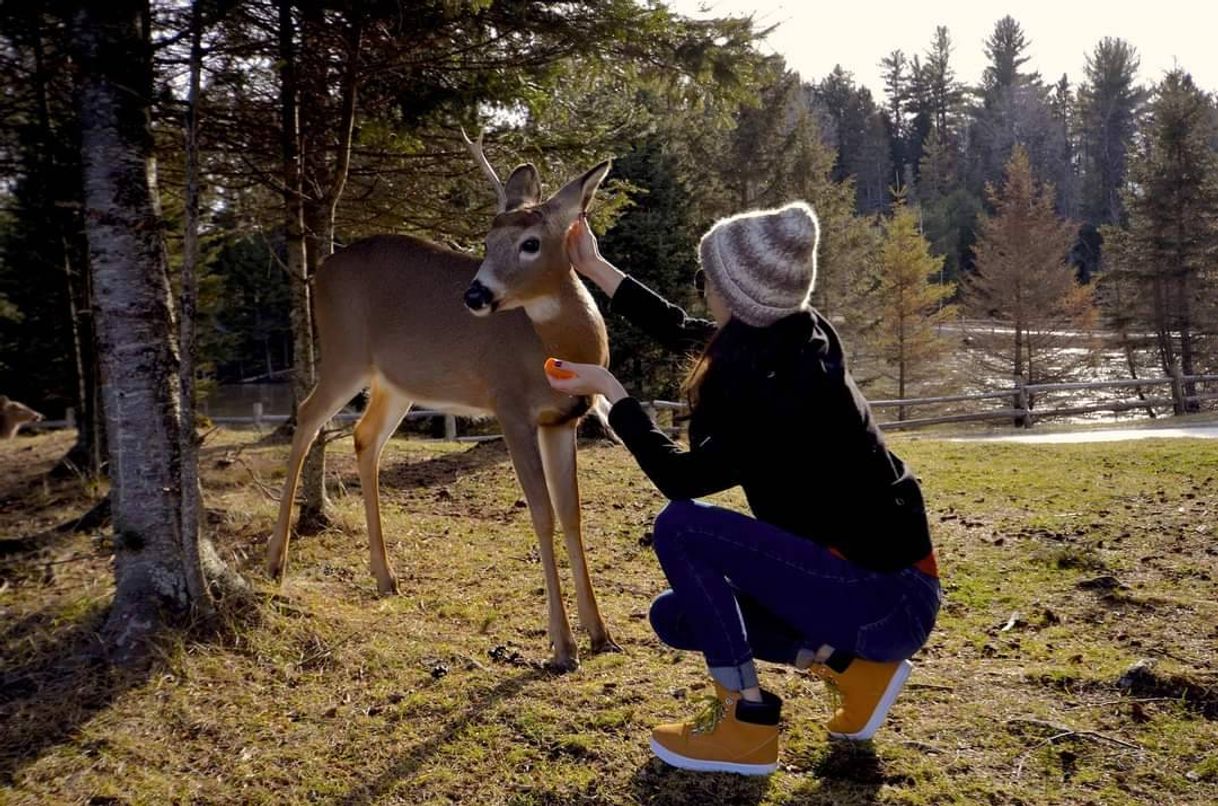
(763,262)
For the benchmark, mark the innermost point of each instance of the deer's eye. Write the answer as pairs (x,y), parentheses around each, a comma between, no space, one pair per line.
(530,245)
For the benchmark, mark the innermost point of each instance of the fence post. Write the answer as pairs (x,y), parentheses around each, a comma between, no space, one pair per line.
(1177,389)
(450,428)
(1022,402)
(258,415)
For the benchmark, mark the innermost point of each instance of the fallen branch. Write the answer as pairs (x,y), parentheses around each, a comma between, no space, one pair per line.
(262,486)
(1121,701)
(1066,731)
(1061,732)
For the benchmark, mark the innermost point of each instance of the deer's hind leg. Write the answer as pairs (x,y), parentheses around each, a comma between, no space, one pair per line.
(332,392)
(386,408)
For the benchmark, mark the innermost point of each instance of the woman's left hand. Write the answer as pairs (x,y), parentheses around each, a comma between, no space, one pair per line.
(588,379)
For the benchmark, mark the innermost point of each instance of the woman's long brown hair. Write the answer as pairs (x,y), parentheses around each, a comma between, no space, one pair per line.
(737,361)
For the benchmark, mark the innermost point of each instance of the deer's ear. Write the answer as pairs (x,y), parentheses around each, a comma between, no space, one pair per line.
(577,194)
(523,187)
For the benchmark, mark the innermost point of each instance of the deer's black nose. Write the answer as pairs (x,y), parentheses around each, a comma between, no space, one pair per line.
(478,296)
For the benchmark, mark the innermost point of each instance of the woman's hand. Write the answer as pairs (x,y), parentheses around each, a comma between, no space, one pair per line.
(586,258)
(586,380)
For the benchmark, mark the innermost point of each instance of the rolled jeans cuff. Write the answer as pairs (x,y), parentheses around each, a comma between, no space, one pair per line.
(736,678)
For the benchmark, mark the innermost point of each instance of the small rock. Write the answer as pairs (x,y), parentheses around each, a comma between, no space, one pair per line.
(1140,672)
(1107,582)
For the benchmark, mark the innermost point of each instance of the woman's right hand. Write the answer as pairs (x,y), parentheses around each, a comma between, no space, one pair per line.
(586,258)
(581,247)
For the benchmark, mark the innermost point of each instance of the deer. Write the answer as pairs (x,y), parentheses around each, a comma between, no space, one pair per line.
(13,415)
(419,324)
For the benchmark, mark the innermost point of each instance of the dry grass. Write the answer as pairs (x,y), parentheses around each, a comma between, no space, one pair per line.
(1095,556)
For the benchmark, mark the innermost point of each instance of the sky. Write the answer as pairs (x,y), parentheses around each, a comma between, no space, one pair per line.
(814,36)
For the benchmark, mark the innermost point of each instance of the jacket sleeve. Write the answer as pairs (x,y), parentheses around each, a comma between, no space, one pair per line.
(679,475)
(668,324)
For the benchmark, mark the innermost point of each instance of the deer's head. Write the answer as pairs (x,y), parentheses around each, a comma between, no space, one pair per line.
(14,414)
(526,255)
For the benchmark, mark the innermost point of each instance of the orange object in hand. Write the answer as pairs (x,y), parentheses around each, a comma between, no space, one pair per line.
(554,371)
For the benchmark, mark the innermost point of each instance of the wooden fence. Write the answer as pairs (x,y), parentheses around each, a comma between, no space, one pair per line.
(1176,393)
(1016,403)
(1020,399)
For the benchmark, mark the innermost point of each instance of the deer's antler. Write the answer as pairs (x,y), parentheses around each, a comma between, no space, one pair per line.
(480,157)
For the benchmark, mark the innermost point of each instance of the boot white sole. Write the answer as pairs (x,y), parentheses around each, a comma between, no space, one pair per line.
(881,709)
(700,765)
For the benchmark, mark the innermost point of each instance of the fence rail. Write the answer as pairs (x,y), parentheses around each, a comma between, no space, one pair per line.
(1022,396)
(1020,409)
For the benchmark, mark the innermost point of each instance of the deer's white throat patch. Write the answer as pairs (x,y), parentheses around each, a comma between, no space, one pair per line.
(543,309)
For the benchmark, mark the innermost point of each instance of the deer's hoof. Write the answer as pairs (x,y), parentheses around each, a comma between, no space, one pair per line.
(274,570)
(605,643)
(562,664)
(388,587)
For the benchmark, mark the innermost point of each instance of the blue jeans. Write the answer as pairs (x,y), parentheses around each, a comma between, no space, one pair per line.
(744,589)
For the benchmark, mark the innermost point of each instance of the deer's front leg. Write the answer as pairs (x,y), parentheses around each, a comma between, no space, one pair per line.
(522,441)
(558,458)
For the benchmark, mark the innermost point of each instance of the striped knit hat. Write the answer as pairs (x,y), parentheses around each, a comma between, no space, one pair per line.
(763,262)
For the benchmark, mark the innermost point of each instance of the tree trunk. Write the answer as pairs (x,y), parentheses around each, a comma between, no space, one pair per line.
(322,187)
(314,507)
(189,443)
(85,455)
(134,320)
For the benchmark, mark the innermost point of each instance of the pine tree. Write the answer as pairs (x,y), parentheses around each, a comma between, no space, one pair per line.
(1109,102)
(896,78)
(1167,258)
(946,93)
(911,303)
(1023,287)
(948,208)
(1006,48)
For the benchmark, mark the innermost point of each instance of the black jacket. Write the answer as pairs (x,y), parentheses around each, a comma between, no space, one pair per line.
(807,451)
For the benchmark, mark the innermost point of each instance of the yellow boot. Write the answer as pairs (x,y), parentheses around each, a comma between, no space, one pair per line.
(730,735)
(867,690)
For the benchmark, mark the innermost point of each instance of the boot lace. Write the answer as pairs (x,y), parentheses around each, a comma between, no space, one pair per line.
(712,713)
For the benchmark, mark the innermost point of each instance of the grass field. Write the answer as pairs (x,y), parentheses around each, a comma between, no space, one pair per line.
(1065,568)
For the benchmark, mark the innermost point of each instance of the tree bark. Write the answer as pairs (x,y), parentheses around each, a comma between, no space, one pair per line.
(314,514)
(133,312)
(188,439)
(85,455)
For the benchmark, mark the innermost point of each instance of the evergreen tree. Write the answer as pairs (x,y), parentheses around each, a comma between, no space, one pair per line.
(1023,284)
(1165,263)
(911,303)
